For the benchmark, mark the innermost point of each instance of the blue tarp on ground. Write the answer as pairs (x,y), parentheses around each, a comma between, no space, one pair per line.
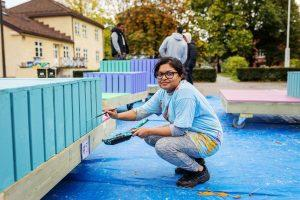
(261,161)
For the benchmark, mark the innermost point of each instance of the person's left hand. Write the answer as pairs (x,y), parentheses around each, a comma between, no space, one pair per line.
(141,132)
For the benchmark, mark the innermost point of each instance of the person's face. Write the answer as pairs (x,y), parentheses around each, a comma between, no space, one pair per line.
(167,77)
(122,28)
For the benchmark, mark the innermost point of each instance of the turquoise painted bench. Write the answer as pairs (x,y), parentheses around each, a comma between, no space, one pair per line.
(40,118)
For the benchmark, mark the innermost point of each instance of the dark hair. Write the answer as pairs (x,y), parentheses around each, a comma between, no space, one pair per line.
(173,62)
(119,24)
(180,29)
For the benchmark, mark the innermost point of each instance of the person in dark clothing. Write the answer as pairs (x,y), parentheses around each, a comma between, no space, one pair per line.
(191,57)
(119,46)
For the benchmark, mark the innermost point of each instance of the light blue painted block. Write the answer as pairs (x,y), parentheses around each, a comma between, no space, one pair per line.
(89,124)
(82,109)
(21,134)
(49,134)
(68,115)
(36,127)
(93,104)
(293,84)
(6,143)
(75,104)
(59,118)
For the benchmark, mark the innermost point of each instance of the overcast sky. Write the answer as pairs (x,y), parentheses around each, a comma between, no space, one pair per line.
(11,3)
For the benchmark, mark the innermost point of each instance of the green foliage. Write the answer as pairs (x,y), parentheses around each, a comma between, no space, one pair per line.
(234,62)
(240,28)
(146,27)
(295,63)
(264,74)
(205,75)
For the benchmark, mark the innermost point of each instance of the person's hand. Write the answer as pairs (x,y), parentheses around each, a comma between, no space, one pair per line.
(141,132)
(112,113)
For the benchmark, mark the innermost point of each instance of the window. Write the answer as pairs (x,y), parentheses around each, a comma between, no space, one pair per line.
(97,56)
(85,54)
(55,51)
(77,51)
(96,34)
(66,52)
(84,32)
(38,49)
(77,28)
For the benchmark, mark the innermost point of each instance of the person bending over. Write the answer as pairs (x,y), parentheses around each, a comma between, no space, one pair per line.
(194,132)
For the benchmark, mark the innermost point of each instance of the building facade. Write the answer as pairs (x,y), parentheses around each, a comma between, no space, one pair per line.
(45,33)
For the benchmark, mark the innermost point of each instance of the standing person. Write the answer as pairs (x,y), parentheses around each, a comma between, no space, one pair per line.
(194,132)
(174,46)
(119,46)
(191,57)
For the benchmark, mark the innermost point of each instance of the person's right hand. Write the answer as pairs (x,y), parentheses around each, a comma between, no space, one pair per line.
(112,113)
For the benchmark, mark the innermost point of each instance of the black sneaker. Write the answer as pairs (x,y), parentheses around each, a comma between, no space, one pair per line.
(191,179)
(179,170)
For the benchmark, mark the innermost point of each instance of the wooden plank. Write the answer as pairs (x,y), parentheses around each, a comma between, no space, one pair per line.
(48,111)
(88,106)
(93,104)
(123,100)
(6,143)
(75,104)
(36,127)
(59,118)
(82,108)
(21,134)
(68,114)
(40,181)
(98,100)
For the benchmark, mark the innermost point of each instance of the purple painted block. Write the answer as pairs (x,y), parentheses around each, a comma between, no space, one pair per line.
(109,83)
(122,83)
(115,83)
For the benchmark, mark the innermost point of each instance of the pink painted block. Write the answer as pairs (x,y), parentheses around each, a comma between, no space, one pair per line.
(272,96)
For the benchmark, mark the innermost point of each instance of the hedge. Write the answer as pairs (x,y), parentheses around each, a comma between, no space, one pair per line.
(79,73)
(264,74)
(201,74)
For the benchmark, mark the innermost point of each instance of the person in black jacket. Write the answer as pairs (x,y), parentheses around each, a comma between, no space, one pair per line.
(119,46)
(191,57)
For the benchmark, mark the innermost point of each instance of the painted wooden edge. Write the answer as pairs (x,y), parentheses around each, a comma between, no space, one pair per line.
(153,89)
(264,108)
(40,181)
(123,100)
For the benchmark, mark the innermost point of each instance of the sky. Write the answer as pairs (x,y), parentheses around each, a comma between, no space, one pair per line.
(11,3)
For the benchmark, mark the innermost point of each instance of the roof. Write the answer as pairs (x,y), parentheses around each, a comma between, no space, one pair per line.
(23,24)
(49,8)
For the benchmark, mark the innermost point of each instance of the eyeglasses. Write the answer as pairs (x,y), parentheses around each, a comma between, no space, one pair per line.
(168,75)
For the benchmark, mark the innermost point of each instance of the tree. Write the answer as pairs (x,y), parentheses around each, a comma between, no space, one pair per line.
(146,27)
(242,26)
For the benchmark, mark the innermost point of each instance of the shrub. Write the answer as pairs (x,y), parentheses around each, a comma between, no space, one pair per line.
(232,63)
(205,74)
(295,63)
(264,74)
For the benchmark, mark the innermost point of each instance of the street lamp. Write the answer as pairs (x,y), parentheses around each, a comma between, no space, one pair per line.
(287,49)
(2,8)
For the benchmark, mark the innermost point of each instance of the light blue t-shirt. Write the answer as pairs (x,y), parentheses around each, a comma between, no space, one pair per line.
(185,108)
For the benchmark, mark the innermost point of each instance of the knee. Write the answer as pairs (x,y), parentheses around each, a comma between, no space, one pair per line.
(149,140)
(163,147)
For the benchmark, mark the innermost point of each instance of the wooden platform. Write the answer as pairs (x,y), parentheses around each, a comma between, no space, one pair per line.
(153,88)
(40,181)
(111,100)
(249,102)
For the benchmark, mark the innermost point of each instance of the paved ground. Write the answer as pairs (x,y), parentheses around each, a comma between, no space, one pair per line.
(222,82)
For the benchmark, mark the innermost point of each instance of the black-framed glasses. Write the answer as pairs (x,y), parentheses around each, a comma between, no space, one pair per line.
(168,75)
